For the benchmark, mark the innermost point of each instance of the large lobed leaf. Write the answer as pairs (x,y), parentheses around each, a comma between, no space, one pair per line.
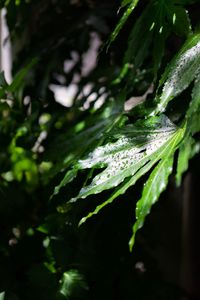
(149,144)
(163,153)
(135,147)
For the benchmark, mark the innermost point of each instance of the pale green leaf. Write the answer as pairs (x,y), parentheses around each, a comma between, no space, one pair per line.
(2,296)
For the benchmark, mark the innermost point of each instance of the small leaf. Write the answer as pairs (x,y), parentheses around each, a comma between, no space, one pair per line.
(72,284)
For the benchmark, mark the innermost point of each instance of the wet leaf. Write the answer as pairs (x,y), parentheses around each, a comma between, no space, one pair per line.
(135,147)
(180,73)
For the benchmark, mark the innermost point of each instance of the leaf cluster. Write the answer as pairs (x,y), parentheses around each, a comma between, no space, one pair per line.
(132,123)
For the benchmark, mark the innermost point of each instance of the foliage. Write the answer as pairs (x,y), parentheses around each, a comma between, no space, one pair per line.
(53,157)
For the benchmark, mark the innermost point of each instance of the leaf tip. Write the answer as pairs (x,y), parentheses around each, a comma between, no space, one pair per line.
(82,221)
(131,242)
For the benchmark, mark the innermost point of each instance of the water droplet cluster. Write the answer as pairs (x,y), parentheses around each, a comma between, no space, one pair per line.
(126,156)
(182,73)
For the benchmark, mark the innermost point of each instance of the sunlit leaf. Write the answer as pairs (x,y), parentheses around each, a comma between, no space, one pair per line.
(155,184)
(180,73)
(190,147)
(89,138)
(135,147)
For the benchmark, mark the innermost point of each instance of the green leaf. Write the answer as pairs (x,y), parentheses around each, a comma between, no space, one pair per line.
(177,17)
(138,148)
(72,284)
(2,296)
(158,50)
(18,80)
(135,147)
(123,19)
(156,183)
(152,28)
(188,149)
(20,76)
(125,2)
(154,186)
(69,176)
(181,21)
(193,111)
(180,73)
(140,39)
(195,102)
(89,138)
(3,82)
(160,154)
